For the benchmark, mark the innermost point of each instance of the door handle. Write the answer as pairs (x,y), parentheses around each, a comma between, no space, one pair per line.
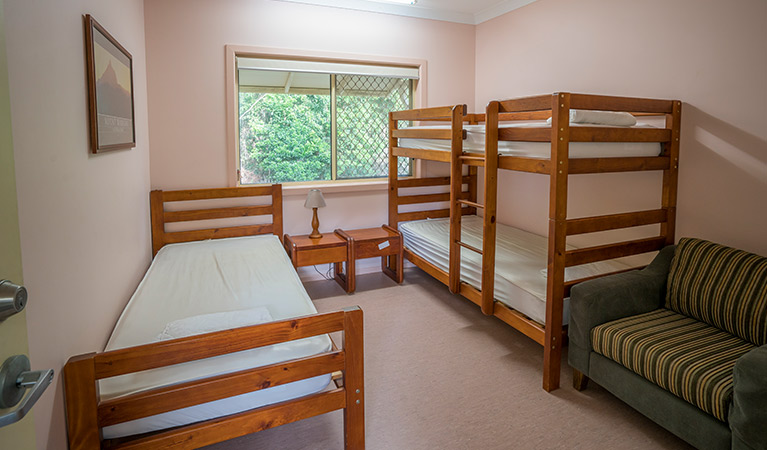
(15,374)
(13,299)
(15,379)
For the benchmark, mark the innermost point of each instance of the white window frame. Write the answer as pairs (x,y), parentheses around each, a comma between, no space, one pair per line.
(232,107)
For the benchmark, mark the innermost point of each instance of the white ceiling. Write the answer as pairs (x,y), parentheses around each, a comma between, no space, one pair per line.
(461,11)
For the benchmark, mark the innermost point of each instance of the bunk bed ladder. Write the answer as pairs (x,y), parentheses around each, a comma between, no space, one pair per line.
(456,202)
(460,206)
(472,206)
(490,162)
(490,191)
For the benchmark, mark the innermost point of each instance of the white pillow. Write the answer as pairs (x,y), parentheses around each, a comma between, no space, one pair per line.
(620,119)
(208,323)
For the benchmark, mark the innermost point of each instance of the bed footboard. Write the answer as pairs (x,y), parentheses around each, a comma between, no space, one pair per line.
(87,414)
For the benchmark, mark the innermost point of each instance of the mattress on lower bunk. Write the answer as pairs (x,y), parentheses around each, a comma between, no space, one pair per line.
(475,143)
(205,277)
(520,261)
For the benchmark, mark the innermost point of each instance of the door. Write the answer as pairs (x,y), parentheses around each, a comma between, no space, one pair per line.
(13,330)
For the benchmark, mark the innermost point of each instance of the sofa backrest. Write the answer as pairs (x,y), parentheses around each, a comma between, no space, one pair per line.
(722,286)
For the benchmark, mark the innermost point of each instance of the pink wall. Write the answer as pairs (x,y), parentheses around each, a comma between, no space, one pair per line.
(186,76)
(84,218)
(709,54)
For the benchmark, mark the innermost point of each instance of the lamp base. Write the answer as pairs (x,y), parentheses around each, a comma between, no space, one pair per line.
(315,225)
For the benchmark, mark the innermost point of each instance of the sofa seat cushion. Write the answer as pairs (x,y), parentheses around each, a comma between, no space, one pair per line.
(720,285)
(684,356)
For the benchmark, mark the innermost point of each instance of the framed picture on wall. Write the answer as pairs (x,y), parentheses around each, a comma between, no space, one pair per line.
(110,90)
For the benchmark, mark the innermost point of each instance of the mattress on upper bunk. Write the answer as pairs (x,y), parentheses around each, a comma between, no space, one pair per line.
(475,143)
(520,261)
(205,277)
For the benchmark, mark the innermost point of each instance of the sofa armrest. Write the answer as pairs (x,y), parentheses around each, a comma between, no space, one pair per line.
(748,413)
(601,300)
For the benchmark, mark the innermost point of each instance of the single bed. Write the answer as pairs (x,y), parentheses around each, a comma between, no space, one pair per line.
(264,358)
(520,261)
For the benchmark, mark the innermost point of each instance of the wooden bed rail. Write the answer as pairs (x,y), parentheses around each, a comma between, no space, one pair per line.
(613,251)
(539,107)
(160,216)
(611,103)
(588,134)
(428,133)
(86,414)
(183,395)
(588,102)
(426,114)
(192,348)
(477,118)
(417,199)
(615,221)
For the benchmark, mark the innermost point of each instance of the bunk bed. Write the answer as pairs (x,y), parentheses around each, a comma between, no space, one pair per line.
(508,136)
(254,354)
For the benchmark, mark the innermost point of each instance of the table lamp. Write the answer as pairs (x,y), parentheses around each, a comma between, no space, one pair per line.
(315,200)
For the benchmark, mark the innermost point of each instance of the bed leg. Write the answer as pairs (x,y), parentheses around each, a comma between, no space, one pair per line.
(81,397)
(580,381)
(389,267)
(392,265)
(354,413)
(552,363)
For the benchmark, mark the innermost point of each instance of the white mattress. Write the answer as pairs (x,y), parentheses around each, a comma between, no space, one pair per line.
(475,143)
(520,261)
(205,277)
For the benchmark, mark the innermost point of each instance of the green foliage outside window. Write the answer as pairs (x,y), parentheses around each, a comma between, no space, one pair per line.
(287,137)
(284,138)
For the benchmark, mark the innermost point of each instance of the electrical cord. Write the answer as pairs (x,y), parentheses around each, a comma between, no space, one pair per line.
(327,275)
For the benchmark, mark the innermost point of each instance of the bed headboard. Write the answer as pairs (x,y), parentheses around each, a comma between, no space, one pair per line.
(160,216)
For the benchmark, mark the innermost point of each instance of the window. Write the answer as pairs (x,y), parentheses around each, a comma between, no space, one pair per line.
(317,121)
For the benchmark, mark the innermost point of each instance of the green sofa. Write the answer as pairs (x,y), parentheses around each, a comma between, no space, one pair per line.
(683,341)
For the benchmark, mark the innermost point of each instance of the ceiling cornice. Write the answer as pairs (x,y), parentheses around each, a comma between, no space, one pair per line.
(420,12)
(391,8)
(499,10)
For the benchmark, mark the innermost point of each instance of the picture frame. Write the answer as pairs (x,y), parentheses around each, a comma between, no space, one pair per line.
(110,90)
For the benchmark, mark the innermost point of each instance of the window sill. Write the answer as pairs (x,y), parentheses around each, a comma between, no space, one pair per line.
(332,187)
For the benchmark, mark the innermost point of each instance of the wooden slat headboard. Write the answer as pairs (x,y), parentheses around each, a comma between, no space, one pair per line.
(160,217)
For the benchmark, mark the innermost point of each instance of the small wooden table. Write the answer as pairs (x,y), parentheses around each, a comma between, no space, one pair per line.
(304,251)
(382,241)
(347,246)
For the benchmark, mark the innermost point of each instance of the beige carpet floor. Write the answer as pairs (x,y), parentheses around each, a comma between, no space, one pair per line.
(440,375)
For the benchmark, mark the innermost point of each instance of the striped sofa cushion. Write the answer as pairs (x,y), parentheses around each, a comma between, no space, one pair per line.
(722,286)
(684,356)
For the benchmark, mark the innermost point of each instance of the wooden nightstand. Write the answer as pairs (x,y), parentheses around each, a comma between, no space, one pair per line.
(383,241)
(347,246)
(330,248)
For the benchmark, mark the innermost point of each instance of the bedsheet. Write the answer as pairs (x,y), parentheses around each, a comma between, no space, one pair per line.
(205,277)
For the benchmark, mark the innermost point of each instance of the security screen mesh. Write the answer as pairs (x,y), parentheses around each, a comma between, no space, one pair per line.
(286,125)
(363,106)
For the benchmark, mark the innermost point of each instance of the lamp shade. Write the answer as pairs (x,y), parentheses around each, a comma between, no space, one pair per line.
(315,199)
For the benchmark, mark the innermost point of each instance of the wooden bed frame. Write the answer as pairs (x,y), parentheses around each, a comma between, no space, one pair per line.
(87,414)
(551,335)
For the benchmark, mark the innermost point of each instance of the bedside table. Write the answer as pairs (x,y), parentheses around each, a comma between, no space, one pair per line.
(330,248)
(383,241)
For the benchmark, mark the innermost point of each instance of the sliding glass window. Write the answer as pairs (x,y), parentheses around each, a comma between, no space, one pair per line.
(304,121)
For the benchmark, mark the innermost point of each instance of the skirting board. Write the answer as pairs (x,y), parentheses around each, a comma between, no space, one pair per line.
(368,265)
